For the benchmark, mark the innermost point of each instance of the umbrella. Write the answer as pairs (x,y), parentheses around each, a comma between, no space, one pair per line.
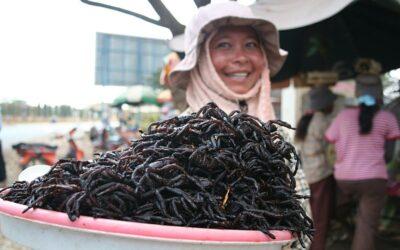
(137,95)
(364,29)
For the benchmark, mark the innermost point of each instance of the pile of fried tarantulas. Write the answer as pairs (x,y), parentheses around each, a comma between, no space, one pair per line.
(208,169)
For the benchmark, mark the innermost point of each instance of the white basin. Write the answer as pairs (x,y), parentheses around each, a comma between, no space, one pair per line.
(48,230)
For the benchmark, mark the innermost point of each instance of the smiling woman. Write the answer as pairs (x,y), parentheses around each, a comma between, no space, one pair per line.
(230,56)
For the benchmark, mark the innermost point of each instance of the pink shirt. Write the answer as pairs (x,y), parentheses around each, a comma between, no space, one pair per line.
(360,157)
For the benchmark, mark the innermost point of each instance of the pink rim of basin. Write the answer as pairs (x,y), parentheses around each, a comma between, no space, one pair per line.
(140,229)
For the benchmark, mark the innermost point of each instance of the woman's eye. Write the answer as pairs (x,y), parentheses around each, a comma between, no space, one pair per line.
(252,45)
(223,45)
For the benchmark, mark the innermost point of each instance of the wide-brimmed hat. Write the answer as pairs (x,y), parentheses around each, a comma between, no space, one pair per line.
(214,16)
(369,84)
(321,97)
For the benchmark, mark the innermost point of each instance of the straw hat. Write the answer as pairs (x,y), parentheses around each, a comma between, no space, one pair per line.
(213,16)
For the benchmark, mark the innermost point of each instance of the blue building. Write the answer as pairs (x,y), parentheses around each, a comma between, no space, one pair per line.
(127,61)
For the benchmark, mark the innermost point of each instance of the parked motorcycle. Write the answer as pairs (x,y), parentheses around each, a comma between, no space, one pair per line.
(40,153)
(35,153)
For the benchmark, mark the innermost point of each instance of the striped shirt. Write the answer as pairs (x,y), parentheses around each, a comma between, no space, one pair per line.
(360,157)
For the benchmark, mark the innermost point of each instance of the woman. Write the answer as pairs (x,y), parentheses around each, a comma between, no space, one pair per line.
(359,135)
(230,56)
(313,152)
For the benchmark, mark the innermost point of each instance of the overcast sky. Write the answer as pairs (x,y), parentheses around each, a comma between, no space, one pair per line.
(47,47)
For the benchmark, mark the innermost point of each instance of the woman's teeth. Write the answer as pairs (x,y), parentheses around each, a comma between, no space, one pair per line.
(238,75)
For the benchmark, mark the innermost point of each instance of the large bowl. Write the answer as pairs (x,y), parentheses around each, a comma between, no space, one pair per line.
(45,229)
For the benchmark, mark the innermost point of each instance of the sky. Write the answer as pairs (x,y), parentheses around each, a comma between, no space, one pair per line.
(47,47)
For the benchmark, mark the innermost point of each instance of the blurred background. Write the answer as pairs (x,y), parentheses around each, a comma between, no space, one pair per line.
(100,68)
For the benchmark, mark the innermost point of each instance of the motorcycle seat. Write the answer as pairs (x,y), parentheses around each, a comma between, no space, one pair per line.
(23,145)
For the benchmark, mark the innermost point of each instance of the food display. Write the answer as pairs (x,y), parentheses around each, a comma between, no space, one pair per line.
(208,169)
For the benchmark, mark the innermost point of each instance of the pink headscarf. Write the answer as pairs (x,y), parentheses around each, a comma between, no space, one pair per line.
(206,86)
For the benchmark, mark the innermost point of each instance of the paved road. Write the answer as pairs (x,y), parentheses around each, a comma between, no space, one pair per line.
(11,134)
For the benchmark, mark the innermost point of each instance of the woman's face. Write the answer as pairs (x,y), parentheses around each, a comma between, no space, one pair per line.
(236,55)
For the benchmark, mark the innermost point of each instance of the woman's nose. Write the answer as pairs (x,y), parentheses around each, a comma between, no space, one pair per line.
(240,55)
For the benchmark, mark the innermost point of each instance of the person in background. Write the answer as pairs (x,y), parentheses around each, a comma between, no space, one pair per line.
(312,146)
(360,135)
(394,163)
(230,56)
(3,173)
(391,208)
(178,94)
(94,134)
